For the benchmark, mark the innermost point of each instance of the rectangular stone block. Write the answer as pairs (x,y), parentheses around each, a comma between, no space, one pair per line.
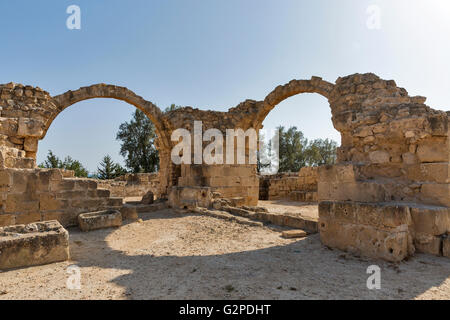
(373,230)
(29,217)
(429,172)
(48,201)
(64,217)
(446,247)
(33,244)
(435,194)
(20,203)
(30,128)
(7,219)
(428,244)
(435,150)
(431,220)
(99,220)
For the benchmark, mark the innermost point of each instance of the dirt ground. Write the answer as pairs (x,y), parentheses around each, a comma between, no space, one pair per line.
(186,256)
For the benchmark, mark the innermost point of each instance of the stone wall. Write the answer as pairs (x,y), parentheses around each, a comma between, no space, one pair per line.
(301,186)
(132,185)
(30,195)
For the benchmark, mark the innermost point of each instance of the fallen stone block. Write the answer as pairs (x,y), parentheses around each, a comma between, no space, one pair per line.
(99,220)
(129,212)
(148,198)
(290,234)
(33,244)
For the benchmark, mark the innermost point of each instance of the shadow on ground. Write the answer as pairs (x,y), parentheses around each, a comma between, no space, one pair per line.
(300,270)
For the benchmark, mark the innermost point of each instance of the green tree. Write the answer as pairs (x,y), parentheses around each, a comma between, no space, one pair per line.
(53,161)
(138,144)
(296,152)
(292,145)
(109,169)
(75,165)
(321,152)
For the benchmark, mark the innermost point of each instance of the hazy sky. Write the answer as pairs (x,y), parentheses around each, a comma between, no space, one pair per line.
(213,54)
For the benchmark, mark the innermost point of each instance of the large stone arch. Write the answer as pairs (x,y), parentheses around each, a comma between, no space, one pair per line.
(60,102)
(70,97)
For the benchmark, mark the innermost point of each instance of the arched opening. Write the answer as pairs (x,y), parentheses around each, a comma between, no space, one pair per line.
(128,185)
(307,140)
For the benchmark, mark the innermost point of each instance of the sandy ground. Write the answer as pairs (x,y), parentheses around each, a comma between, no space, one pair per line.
(309,210)
(176,256)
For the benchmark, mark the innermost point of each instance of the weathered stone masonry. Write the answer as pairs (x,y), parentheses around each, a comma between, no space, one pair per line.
(388,195)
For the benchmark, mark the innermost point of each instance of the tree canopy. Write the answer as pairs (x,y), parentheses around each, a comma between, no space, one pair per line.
(53,161)
(109,169)
(295,151)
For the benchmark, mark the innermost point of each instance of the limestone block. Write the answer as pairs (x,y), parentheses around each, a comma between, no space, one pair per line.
(30,144)
(430,220)
(5,180)
(114,202)
(430,172)
(446,247)
(33,244)
(366,191)
(28,217)
(7,219)
(148,198)
(433,152)
(373,230)
(30,128)
(129,212)
(428,244)
(435,193)
(20,203)
(379,157)
(289,234)
(89,204)
(99,220)
(66,217)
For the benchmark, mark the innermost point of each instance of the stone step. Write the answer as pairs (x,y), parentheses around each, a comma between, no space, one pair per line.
(285,220)
(291,234)
(131,211)
(227,216)
(303,196)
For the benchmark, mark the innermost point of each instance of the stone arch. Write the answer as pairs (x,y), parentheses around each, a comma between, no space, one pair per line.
(65,100)
(294,87)
(70,97)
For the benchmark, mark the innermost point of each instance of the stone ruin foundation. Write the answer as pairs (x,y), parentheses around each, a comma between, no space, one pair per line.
(387,197)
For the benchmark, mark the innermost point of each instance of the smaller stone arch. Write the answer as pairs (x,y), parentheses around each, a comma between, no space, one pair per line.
(293,87)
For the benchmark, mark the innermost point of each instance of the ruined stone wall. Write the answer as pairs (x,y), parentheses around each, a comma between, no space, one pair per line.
(394,153)
(131,185)
(30,195)
(301,186)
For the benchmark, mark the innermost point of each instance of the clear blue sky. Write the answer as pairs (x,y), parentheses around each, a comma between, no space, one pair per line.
(213,54)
